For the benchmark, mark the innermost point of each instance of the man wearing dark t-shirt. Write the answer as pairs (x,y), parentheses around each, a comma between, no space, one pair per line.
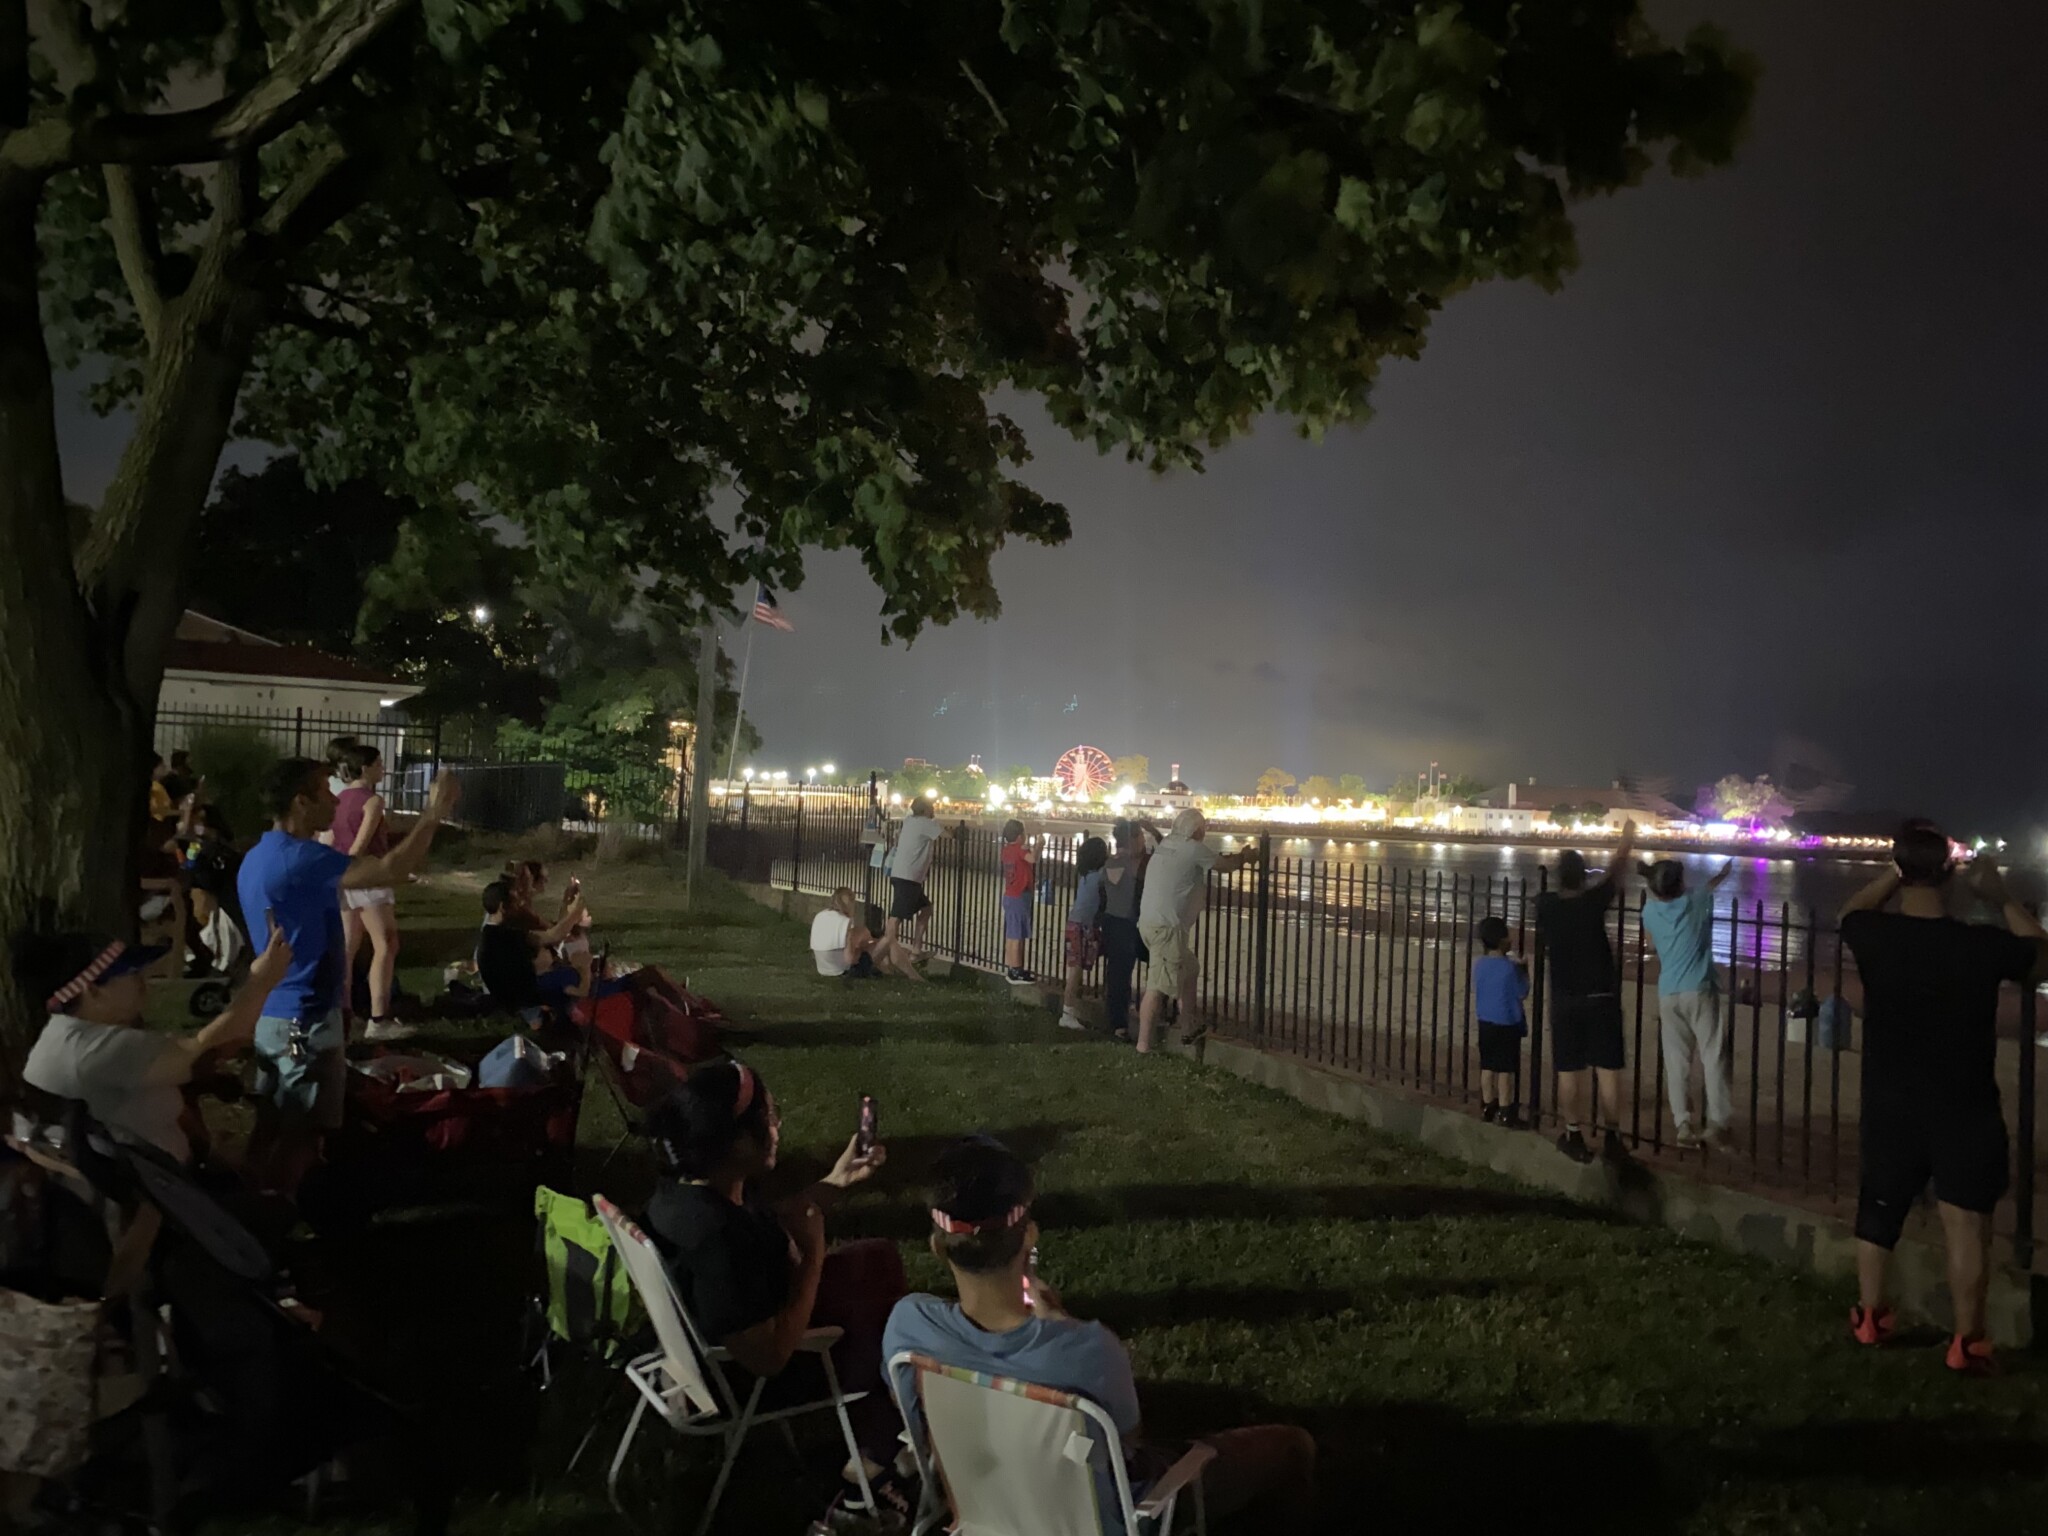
(1585,997)
(1930,1108)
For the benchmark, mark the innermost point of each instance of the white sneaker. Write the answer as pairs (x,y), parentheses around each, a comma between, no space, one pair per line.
(1071,1021)
(380,1030)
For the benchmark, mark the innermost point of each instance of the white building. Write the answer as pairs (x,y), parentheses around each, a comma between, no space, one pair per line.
(217,672)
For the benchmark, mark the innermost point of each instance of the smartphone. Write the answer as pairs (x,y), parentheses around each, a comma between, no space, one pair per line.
(575,885)
(870,1122)
(1030,1269)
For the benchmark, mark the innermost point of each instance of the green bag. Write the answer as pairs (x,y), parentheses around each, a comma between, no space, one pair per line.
(590,1297)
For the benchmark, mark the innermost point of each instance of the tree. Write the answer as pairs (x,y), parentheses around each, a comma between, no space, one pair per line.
(1593,813)
(1275,782)
(1353,788)
(587,266)
(1135,769)
(1319,787)
(1018,773)
(1565,815)
(1462,790)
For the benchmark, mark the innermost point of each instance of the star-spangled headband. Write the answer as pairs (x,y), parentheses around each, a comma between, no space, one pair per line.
(94,970)
(953,1226)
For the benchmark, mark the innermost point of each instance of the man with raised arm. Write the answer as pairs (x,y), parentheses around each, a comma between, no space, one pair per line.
(292,883)
(1585,998)
(1930,1106)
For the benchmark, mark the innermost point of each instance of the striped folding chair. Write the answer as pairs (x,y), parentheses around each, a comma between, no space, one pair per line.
(1006,1458)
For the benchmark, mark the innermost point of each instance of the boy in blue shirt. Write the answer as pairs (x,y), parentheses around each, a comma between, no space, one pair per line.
(1499,983)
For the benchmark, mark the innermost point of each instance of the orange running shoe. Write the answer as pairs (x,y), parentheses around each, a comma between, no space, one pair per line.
(1872,1325)
(1972,1356)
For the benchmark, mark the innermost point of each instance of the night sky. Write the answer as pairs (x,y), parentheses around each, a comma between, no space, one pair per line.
(1756,485)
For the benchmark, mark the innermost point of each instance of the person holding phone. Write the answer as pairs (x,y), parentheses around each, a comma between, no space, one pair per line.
(983,1230)
(755,1276)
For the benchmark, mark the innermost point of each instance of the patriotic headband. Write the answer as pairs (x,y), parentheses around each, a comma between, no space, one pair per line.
(76,986)
(953,1226)
(746,1096)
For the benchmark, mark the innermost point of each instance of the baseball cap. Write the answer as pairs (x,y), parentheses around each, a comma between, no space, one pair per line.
(59,967)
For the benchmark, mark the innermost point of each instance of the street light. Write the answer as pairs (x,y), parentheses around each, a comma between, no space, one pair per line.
(830,769)
(747,773)
(481,614)
(811,774)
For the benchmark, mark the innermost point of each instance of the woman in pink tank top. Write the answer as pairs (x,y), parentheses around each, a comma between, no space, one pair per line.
(360,831)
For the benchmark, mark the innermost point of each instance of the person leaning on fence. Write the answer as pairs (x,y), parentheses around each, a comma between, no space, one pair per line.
(910,862)
(755,1277)
(983,1230)
(1930,1103)
(1585,1000)
(1123,878)
(1084,924)
(1175,880)
(1690,1014)
(292,884)
(1500,982)
(1018,858)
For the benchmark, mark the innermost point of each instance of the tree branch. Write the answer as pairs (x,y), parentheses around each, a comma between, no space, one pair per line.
(131,214)
(323,51)
(327,189)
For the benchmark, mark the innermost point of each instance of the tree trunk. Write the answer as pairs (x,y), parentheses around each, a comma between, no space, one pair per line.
(84,621)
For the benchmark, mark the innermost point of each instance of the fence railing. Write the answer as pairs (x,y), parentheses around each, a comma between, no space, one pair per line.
(1366,970)
(503,790)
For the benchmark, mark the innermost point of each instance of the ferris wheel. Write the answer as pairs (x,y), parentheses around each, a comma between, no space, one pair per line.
(1084,772)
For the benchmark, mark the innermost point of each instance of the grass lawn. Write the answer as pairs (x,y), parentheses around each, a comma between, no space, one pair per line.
(1466,1351)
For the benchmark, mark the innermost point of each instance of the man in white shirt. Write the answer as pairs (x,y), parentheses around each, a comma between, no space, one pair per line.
(916,840)
(96,1049)
(841,946)
(1174,883)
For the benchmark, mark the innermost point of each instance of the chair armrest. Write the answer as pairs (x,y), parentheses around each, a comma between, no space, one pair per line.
(1176,1477)
(818,1341)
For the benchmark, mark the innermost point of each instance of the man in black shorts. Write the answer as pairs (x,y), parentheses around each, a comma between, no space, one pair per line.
(909,865)
(1930,1072)
(1585,997)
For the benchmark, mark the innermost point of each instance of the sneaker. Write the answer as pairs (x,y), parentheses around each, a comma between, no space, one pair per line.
(1026,976)
(386,1030)
(1015,975)
(1510,1118)
(1689,1140)
(1872,1326)
(1488,1113)
(1613,1148)
(1071,1021)
(1972,1356)
(1718,1139)
(1573,1145)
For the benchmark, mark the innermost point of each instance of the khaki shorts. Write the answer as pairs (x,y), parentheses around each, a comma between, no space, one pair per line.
(1173,961)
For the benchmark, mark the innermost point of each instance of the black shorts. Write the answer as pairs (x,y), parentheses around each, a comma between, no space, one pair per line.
(905,898)
(1586,1032)
(1500,1047)
(1962,1151)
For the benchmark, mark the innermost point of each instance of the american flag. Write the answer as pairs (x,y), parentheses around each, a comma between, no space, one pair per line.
(765,612)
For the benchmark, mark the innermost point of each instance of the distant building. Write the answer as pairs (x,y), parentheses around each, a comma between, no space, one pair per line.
(1174,795)
(1516,809)
(214,666)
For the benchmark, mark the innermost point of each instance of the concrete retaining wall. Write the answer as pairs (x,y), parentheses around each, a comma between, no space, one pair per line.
(1745,1222)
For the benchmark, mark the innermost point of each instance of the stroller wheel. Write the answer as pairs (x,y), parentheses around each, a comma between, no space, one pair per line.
(209,999)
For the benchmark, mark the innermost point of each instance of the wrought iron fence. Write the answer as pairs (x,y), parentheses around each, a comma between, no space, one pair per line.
(1366,970)
(503,790)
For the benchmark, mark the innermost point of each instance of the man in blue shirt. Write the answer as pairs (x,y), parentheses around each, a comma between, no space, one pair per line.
(293,884)
(1680,924)
(981,1215)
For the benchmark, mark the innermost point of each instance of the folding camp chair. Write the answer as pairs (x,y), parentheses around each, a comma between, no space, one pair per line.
(1006,1458)
(685,1381)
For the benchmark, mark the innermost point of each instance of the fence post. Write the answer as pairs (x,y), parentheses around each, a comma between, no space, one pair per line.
(1538,998)
(959,846)
(1262,915)
(435,760)
(2023,1181)
(796,845)
(746,802)
(299,731)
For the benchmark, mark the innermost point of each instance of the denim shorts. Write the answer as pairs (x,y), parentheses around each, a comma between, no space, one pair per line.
(1017,916)
(310,1087)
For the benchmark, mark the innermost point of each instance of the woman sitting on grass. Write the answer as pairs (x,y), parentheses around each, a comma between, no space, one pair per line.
(756,1277)
(517,963)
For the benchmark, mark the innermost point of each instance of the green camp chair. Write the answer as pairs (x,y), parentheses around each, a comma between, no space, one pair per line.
(586,1307)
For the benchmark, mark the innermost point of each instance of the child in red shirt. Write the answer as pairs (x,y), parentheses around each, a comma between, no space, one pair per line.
(1020,860)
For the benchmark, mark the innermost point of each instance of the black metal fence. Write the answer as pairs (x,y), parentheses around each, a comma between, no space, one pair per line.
(1366,970)
(504,789)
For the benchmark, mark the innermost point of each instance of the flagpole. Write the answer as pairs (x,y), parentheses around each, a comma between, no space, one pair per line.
(739,714)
